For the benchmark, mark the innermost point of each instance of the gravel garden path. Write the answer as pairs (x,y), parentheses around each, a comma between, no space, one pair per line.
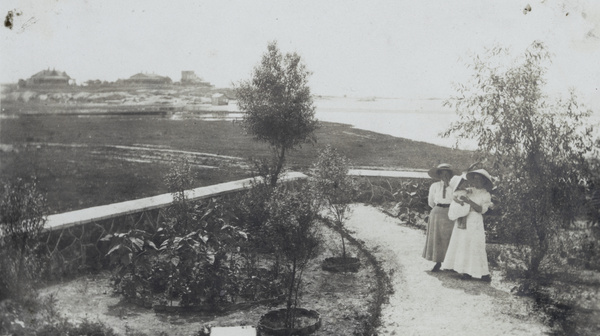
(426,303)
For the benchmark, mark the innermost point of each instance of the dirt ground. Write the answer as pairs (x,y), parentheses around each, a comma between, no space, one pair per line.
(342,299)
(426,303)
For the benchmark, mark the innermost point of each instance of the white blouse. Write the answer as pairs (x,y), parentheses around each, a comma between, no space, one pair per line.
(436,194)
(481,197)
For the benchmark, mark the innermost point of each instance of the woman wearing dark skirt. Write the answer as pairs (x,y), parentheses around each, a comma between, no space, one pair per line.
(439,228)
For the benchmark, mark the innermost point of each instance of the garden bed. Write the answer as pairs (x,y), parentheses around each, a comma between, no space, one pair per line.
(345,301)
(341,264)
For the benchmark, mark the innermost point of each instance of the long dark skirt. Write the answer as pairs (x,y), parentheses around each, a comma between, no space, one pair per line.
(439,231)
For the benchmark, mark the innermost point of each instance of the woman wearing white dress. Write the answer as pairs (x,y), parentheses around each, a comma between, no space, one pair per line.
(439,227)
(466,251)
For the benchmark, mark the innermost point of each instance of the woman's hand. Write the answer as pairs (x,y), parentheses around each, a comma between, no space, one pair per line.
(473,205)
(459,200)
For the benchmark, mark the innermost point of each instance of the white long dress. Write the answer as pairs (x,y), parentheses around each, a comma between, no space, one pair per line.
(466,250)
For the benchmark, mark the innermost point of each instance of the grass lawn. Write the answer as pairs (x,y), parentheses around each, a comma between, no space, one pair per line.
(86,170)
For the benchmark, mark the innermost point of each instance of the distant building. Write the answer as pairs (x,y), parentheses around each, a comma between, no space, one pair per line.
(190,78)
(147,79)
(48,78)
(219,99)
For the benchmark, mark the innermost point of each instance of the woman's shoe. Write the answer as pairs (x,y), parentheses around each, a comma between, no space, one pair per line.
(437,267)
(466,277)
(486,278)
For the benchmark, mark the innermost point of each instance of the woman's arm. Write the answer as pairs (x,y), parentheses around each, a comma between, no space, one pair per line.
(458,199)
(473,205)
(430,197)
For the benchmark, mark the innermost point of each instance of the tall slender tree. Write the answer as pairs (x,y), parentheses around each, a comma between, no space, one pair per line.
(538,147)
(278,105)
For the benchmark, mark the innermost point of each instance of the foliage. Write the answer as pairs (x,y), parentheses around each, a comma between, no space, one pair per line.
(132,254)
(536,147)
(204,258)
(179,179)
(293,216)
(266,168)
(22,219)
(86,328)
(334,187)
(251,214)
(40,318)
(587,252)
(192,263)
(278,105)
(200,254)
(412,201)
(402,198)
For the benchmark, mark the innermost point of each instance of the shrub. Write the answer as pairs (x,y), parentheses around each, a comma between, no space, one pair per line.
(411,196)
(251,214)
(194,256)
(132,254)
(200,253)
(333,188)
(194,263)
(204,258)
(22,219)
(85,328)
(402,198)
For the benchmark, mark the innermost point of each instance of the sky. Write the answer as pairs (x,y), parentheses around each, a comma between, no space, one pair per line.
(395,48)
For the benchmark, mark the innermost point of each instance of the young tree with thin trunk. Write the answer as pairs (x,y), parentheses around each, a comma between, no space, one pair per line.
(296,238)
(278,105)
(334,187)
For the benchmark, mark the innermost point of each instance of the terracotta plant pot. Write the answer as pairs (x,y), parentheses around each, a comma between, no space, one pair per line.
(340,264)
(273,322)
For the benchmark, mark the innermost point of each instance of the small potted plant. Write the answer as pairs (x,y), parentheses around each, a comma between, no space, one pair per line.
(336,190)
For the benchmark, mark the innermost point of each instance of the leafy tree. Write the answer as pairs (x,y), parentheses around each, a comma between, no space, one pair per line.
(333,185)
(293,215)
(537,147)
(278,105)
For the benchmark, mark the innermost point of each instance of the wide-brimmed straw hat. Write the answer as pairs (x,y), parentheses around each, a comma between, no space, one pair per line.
(436,171)
(485,174)
(456,180)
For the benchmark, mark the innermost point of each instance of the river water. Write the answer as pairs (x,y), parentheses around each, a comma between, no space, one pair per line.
(420,120)
(415,119)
